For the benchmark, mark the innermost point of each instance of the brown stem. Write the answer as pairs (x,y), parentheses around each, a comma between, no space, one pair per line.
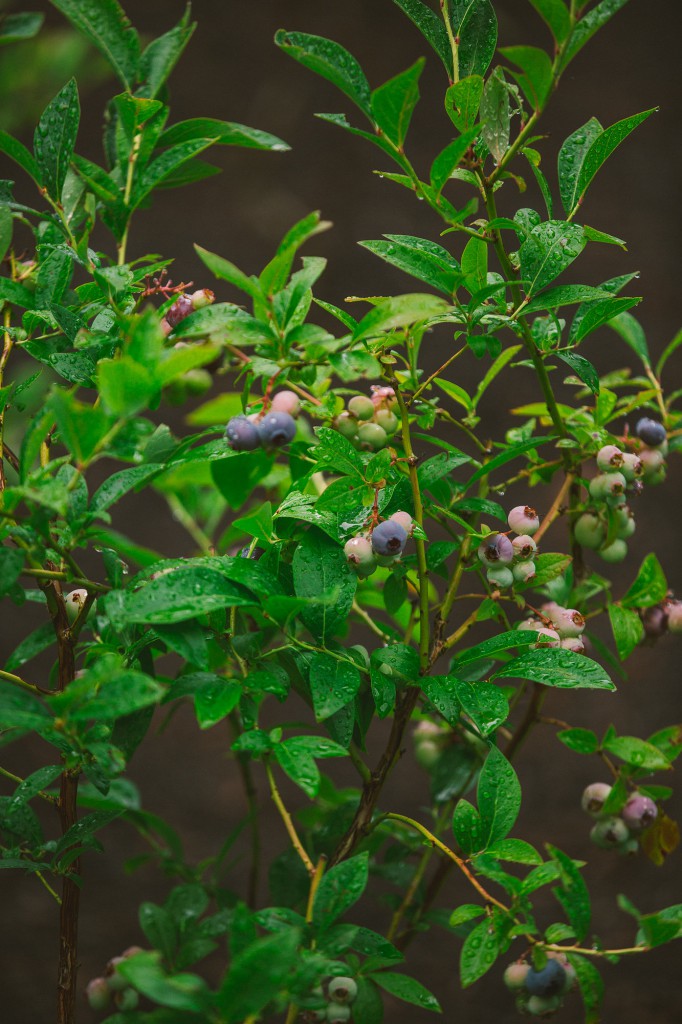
(528,720)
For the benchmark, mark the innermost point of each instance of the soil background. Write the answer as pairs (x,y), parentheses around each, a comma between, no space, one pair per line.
(233,71)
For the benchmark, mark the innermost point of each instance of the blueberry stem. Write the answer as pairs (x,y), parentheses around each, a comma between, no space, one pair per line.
(288,822)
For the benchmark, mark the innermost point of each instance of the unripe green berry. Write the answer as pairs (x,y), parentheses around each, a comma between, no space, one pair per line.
(614,552)
(539,1007)
(632,467)
(388,420)
(361,407)
(337,1013)
(197,382)
(652,460)
(500,577)
(589,531)
(74,601)
(98,993)
(202,297)
(609,458)
(372,437)
(342,990)
(609,833)
(523,572)
(346,424)
(127,999)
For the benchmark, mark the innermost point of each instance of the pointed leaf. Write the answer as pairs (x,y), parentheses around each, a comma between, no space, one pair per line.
(583,369)
(224,133)
(331,61)
(603,146)
(333,684)
(340,888)
(475,25)
(407,989)
(554,666)
(587,26)
(430,26)
(55,138)
(393,102)
(450,158)
(547,251)
(498,795)
(423,259)
(495,115)
(649,587)
(536,77)
(463,101)
(571,159)
(105,24)
(556,16)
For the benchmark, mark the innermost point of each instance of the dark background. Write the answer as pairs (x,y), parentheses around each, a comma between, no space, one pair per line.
(233,71)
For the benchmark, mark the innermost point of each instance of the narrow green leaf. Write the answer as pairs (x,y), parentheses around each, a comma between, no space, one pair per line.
(16,151)
(582,368)
(430,26)
(555,14)
(583,741)
(475,265)
(474,24)
(572,894)
(495,115)
(603,146)
(224,133)
(105,24)
(226,271)
(571,159)
(450,157)
(468,827)
(587,26)
(168,162)
(591,986)
(631,331)
(427,261)
(399,311)
(637,752)
(161,55)
(331,61)
(407,989)
(55,138)
(565,295)
(536,77)
(393,103)
(463,101)
(20,26)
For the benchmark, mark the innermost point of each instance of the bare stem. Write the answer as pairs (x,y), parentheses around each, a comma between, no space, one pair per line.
(288,822)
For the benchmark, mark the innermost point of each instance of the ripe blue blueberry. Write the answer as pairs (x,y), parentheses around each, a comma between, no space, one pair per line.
(656,621)
(389,538)
(276,429)
(650,431)
(547,982)
(242,435)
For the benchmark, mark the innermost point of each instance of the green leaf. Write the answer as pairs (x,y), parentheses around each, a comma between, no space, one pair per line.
(126,386)
(333,684)
(565,295)
(489,648)
(20,709)
(456,392)
(556,16)
(463,101)
(571,159)
(20,26)
(399,311)
(423,259)
(582,368)
(226,271)
(600,313)
(331,61)
(223,133)
(483,703)
(55,138)
(119,484)
(650,585)
(11,564)
(340,888)
(335,452)
(632,333)
(393,103)
(504,457)
(536,77)
(176,596)
(81,427)
(498,795)
(16,151)
(480,951)
(553,666)
(591,986)
(465,912)
(495,115)
(322,574)
(368,1007)
(168,162)
(296,756)
(475,265)
(583,741)
(475,25)
(407,989)
(258,974)
(105,24)
(430,26)
(517,851)
(572,894)
(547,251)
(601,148)
(161,55)
(587,26)
(468,827)
(637,753)
(450,158)
(628,630)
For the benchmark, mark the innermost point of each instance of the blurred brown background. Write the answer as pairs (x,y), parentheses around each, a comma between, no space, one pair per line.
(233,71)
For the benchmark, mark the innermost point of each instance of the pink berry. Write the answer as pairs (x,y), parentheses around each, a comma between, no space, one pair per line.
(594,798)
(573,643)
(405,520)
(496,549)
(524,519)
(98,993)
(639,812)
(286,401)
(568,622)
(202,297)
(524,547)
(609,458)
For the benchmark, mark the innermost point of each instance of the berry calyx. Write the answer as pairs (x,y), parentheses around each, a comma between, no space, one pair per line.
(609,458)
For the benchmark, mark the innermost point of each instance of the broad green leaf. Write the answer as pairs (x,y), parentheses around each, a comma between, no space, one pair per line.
(223,133)
(227,271)
(555,14)
(11,564)
(463,101)
(55,138)
(583,741)
(587,26)
(341,887)
(495,115)
(168,162)
(333,684)
(20,26)
(591,986)
(407,989)
(450,158)
(628,630)
(368,1007)
(481,948)
(430,26)
(582,368)
(126,386)
(399,311)
(474,23)
(335,452)
(296,756)
(393,103)
(498,796)
(468,828)
(516,851)
(257,975)
(565,295)
(572,894)
(547,251)
(331,61)
(176,596)
(601,148)
(186,993)
(649,587)
(571,159)
(535,78)
(427,261)
(321,573)
(17,151)
(485,705)
(105,24)
(82,427)
(637,753)
(554,666)
(475,264)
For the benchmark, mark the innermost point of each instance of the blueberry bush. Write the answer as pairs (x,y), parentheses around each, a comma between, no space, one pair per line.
(344,546)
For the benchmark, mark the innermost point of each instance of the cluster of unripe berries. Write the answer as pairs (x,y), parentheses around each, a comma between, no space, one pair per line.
(661,618)
(540,992)
(558,627)
(341,992)
(100,991)
(607,527)
(511,561)
(270,429)
(368,422)
(618,831)
(382,545)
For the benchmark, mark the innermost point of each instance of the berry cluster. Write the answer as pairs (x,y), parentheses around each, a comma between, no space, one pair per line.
(511,561)
(183,306)
(558,626)
(341,992)
(100,991)
(270,429)
(369,421)
(607,526)
(429,741)
(382,545)
(618,832)
(540,992)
